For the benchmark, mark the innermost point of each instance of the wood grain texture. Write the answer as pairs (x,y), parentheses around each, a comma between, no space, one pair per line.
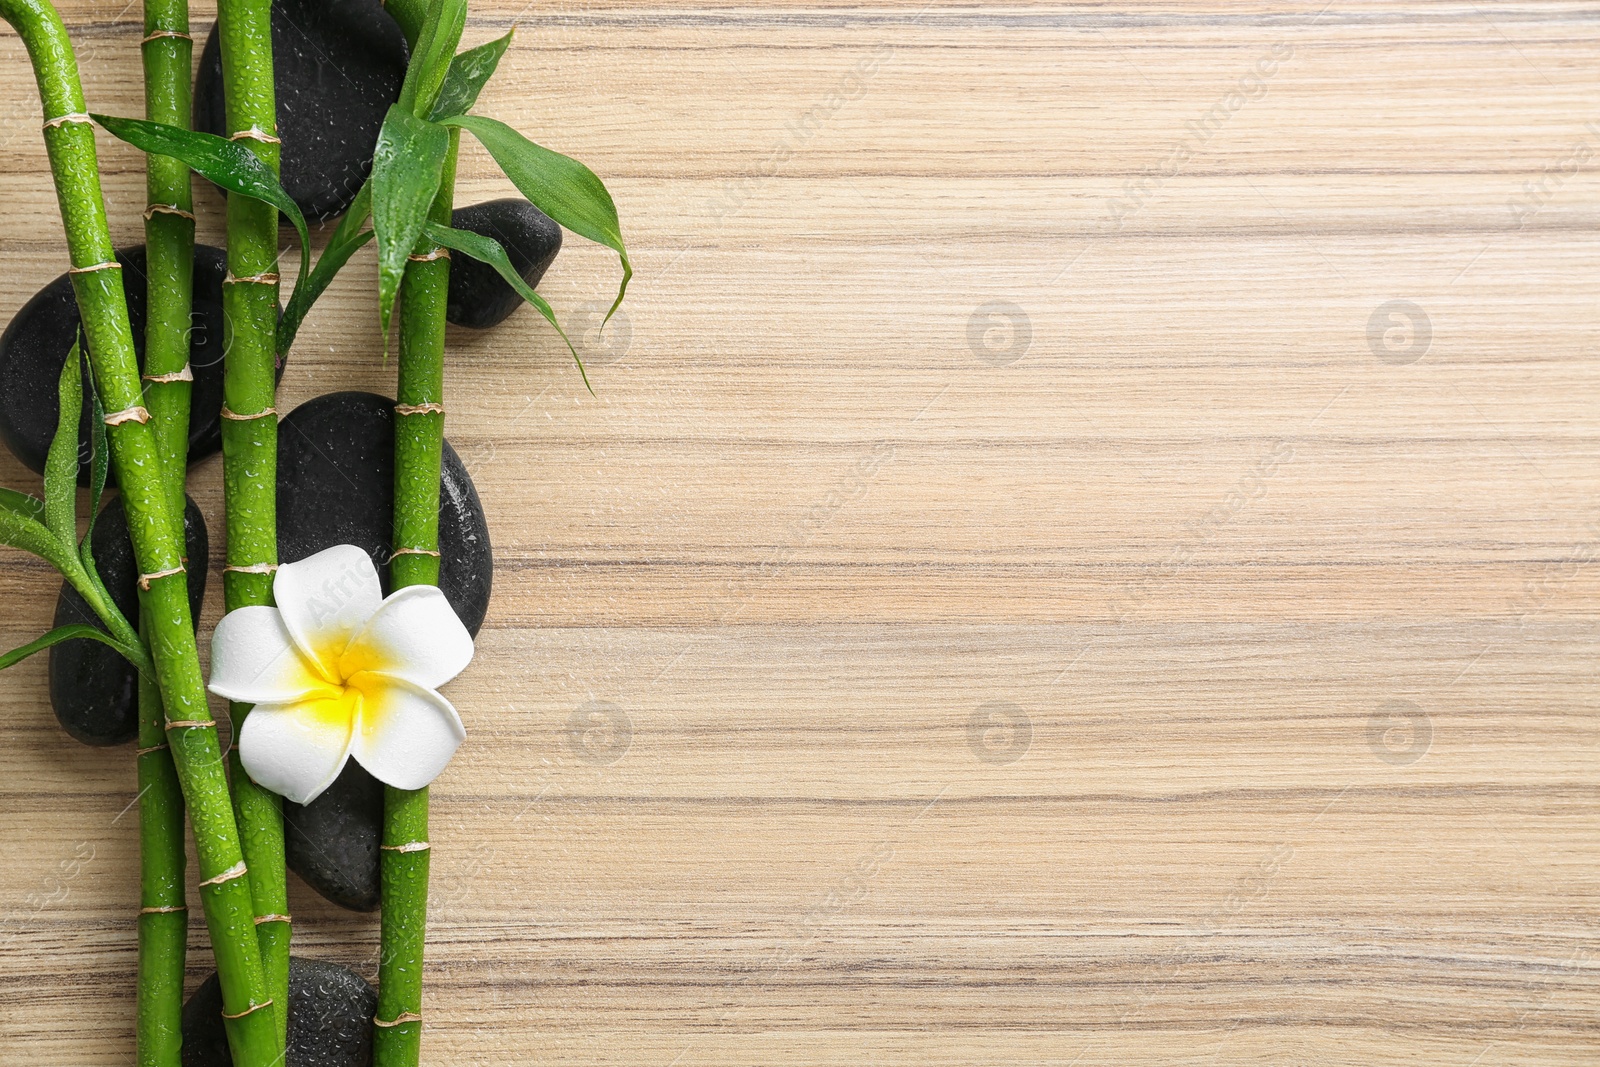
(1019,595)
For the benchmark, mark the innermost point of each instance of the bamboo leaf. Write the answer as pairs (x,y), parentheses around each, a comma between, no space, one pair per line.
(21,530)
(227,164)
(72,557)
(61,462)
(468,74)
(488,250)
(558,185)
(329,264)
(22,505)
(420,48)
(34,525)
(70,633)
(99,461)
(346,239)
(431,58)
(406,168)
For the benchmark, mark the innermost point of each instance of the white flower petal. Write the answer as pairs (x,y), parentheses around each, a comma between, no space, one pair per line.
(325,599)
(406,733)
(253,659)
(297,750)
(416,635)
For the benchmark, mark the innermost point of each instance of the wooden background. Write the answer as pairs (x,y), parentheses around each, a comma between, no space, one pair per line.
(1021,592)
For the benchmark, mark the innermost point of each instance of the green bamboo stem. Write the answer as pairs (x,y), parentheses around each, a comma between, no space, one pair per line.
(419,437)
(163,909)
(169,250)
(418,453)
(250,441)
(97,284)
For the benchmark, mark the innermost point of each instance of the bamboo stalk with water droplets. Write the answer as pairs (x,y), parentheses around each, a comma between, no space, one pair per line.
(97,285)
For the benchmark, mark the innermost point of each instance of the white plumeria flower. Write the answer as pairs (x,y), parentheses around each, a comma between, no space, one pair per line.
(336,670)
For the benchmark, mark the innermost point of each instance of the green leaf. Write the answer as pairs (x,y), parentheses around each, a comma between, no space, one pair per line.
(35,525)
(420,49)
(488,250)
(22,505)
(346,239)
(70,633)
(61,462)
(558,185)
(431,58)
(227,164)
(468,74)
(98,457)
(99,461)
(19,529)
(329,264)
(49,528)
(406,168)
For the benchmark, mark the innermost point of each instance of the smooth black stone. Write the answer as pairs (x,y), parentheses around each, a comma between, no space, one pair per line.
(93,690)
(336,487)
(339,64)
(36,343)
(332,843)
(479,297)
(330,1019)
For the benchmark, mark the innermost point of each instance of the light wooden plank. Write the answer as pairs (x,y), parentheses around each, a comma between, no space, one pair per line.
(1210,683)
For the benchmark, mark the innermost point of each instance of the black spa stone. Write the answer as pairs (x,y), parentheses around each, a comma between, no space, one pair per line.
(336,487)
(36,343)
(479,297)
(332,843)
(330,1019)
(93,690)
(339,64)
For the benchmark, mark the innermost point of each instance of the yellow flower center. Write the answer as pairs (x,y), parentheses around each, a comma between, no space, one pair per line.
(338,705)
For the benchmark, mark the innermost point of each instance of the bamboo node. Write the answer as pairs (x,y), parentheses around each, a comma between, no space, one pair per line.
(146,579)
(409,846)
(266,277)
(236,417)
(109,264)
(167,910)
(177,35)
(238,870)
(254,134)
(184,375)
(272,919)
(250,568)
(419,409)
(399,1020)
(167,209)
(71,116)
(147,751)
(251,1008)
(411,552)
(137,413)
(429,257)
(188,724)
